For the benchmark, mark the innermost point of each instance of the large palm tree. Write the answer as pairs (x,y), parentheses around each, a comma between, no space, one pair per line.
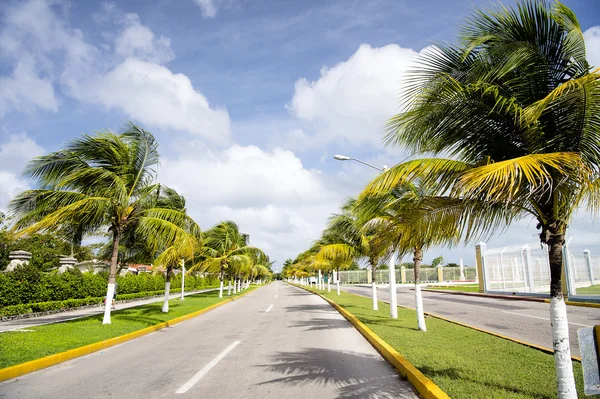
(516,106)
(226,250)
(105,180)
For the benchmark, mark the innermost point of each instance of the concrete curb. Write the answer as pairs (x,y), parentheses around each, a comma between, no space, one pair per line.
(39,364)
(426,388)
(513,297)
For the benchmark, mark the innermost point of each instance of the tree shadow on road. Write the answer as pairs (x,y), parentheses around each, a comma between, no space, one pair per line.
(324,307)
(351,374)
(316,324)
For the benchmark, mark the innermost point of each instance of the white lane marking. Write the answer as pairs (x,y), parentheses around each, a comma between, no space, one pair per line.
(269,309)
(543,318)
(206,369)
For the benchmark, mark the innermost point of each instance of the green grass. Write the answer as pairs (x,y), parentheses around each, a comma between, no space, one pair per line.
(462,288)
(20,347)
(465,363)
(592,290)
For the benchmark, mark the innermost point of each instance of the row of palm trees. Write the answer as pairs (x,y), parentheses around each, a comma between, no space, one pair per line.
(108,181)
(508,122)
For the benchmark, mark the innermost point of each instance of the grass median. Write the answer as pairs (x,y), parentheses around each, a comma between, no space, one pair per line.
(32,343)
(463,362)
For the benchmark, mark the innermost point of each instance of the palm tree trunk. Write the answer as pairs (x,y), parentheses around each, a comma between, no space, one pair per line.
(558,317)
(165,307)
(221,276)
(112,276)
(229,287)
(374,286)
(418,257)
(338,281)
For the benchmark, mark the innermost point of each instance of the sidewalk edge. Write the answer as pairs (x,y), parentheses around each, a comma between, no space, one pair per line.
(39,364)
(424,386)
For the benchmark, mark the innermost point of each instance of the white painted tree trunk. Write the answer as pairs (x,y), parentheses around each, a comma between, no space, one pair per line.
(562,349)
(221,289)
(234,286)
(319,281)
(182,279)
(229,287)
(338,286)
(392,287)
(419,305)
(110,292)
(374,290)
(165,307)
(328,284)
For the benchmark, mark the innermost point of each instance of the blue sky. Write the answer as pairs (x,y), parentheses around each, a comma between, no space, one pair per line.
(249,99)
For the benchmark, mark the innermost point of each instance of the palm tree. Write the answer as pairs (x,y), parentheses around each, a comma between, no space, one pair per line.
(226,250)
(516,107)
(183,247)
(340,260)
(357,240)
(410,220)
(98,181)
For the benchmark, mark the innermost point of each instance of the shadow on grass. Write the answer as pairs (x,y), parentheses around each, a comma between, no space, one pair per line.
(350,374)
(317,324)
(463,376)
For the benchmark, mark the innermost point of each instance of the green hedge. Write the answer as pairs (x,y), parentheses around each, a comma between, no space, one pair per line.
(26,285)
(35,307)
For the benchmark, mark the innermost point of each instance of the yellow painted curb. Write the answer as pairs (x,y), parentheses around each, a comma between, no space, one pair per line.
(582,304)
(426,388)
(38,364)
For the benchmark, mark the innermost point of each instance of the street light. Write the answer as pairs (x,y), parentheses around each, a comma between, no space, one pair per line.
(391,268)
(345,158)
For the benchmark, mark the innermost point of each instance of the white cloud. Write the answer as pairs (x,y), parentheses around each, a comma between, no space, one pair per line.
(131,79)
(208,8)
(14,155)
(354,99)
(152,94)
(270,194)
(24,90)
(592,45)
(138,41)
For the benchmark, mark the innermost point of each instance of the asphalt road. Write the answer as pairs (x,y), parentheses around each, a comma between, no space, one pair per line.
(523,320)
(278,341)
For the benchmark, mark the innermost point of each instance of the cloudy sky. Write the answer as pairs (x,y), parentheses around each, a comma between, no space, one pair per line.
(249,99)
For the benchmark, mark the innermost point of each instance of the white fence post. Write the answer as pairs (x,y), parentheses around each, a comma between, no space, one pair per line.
(480,250)
(587,255)
(528,267)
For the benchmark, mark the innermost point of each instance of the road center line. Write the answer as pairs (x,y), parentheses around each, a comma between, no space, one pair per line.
(544,318)
(269,309)
(206,368)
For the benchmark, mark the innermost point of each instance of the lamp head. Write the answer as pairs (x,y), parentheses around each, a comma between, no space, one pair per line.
(341,157)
